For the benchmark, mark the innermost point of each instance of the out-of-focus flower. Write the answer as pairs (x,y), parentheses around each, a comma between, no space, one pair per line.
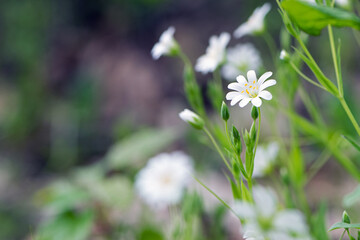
(166,45)
(240,59)
(255,23)
(284,55)
(264,159)
(250,89)
(163,180)
(264,220)
(343,3)
(215,54)
(192,118)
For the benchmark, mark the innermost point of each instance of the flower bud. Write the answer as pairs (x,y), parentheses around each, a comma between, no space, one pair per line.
(345,217)
(253,132)
(284,56)
(192,118)
(254,113)
(247,139)
(235,135)
(225,112)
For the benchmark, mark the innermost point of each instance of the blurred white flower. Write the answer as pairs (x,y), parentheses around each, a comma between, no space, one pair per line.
(240,59)
(215,54)
(343,3)
(192,118)
(264,220)
(163,180)
(264,159)
(166,44)
(284,55)
(250,89)
(255,23)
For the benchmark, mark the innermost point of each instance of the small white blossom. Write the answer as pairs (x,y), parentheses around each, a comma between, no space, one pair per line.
(284,55)
(166,44)
(215,54)
(163,180)
(192,118)
(264,159)
(240,59)
(255,23)
(250,89)
(343,3)
(264,220)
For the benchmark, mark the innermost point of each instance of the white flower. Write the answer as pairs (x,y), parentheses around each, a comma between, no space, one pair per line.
(264,220)
(166,44)
(284,55)
(215,54)
(192,118)
(251,89)
(343,3)
(240,59)
(163,180)
(255,23)
(264,159)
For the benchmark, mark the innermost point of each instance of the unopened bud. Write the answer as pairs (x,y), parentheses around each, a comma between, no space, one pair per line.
(225,112)
(284,55)
(253,132)
(192,118)
(254,113)
(345,217)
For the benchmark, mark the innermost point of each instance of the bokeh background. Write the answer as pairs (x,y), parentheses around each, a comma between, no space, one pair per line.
(77,79)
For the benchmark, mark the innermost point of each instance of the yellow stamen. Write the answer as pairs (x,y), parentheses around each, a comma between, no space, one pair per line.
(254,81)
(247,92)
(245,84)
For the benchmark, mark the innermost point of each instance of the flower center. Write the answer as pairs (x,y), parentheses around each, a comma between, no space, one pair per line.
(166,180)
(251,89)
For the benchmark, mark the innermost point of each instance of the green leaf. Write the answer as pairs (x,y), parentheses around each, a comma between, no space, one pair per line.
(352,198)
(323,80)
(149,233)
(138,147)
(68,225)
(313,18)
(353,142)
(339,225)
(61,196)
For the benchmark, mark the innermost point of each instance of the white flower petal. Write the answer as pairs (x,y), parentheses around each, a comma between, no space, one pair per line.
(256,101)
(264,77)
(265,201)
(241,79)
(231,95)
(265,95)
(235,86)
(251,76)
(244,102)
(244,210)
(291,221)
(267,84)
(236,99)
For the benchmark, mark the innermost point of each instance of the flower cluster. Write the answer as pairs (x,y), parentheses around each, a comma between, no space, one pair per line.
(163,180)
(264,220)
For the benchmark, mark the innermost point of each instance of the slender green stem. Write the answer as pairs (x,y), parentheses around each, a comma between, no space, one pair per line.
(306,77)
(350,115)
(318,164)
(215,195)
(336,65)
(357,36)
(217,148)
(342,235)
(258,133)
(217,77)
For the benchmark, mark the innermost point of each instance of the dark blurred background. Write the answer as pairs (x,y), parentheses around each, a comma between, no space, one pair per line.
(77,76)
